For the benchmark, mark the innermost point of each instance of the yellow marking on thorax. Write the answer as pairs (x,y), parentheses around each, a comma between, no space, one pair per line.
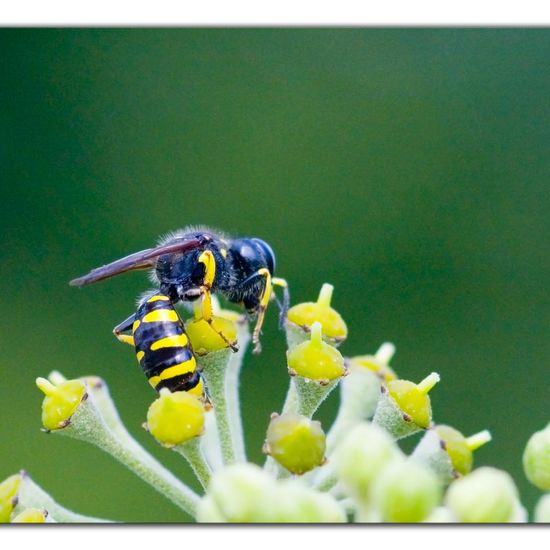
(158,297)
(161,315)
(140,355)
(223,252)
(135,326)
(207,258)
(178,340)
(176,370)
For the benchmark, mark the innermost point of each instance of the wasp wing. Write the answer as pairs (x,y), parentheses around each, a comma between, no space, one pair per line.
(145,259)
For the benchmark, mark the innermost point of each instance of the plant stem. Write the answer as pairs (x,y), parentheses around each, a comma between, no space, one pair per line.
(232,390)
(31,495)
(214,366)
(192,452)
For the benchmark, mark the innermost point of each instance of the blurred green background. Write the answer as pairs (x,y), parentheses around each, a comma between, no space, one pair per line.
(408,167)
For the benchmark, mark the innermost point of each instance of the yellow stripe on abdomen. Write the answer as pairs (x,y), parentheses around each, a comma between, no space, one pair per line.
(176,341)
(172,372)
(160,315)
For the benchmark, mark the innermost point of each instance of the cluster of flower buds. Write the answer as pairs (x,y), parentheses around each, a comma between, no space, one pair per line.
(355,471)
(244,493)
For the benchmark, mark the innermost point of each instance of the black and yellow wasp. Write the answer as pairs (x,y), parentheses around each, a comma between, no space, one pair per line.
(188,265)
(162,346)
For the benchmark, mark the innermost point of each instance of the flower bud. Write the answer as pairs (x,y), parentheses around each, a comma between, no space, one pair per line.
(447,452)
(61,401)
(441,514)
(176,417)
(32,515)
(301,317)
(361,455)
(295,442)
(8,494)
(208,511)
(315,359)
(292,502)
(405,492)
(536,459)
(206,338)
(378,363)
(404,407)
(239,490)
(542,509)
(487,495)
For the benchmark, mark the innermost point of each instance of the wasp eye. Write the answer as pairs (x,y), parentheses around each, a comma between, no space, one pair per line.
(268,253)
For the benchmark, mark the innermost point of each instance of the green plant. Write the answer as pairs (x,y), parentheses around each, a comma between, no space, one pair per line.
(355,471)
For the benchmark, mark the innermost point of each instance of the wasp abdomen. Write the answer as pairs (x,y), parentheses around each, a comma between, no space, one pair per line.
(162,347)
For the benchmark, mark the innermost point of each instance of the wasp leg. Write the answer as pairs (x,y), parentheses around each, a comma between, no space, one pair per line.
(209,262)
(283,307)
(264,300)
(125,326)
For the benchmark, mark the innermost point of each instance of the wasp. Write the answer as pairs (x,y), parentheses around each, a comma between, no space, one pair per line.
(193,263)
(162,346)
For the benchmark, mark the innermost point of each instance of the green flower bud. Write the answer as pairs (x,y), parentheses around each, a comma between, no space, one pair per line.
(291,502)
(208,511)
(536,459)
(32,515)
(61,401)
(405,492)
(8,495)
(542,509)
(176,417)
(361,455)
(295,442)
(487,495)
(205,337)
(239,490)
(447,452)
(378,363)
(441,514)
(404,407)
(315,359)
(301,317)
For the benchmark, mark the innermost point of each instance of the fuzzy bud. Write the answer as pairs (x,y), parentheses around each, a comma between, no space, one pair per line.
(360,457)
(315,359)
(447,452)
(206,338)
(405,492)
(487,495)
(542,509)
(176,417)
(536,459)
(238,490)
(301,318)
(378,363)
(295,442)
(404,407)
(32,515)
(8,494)
(61,401)
(292,502)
